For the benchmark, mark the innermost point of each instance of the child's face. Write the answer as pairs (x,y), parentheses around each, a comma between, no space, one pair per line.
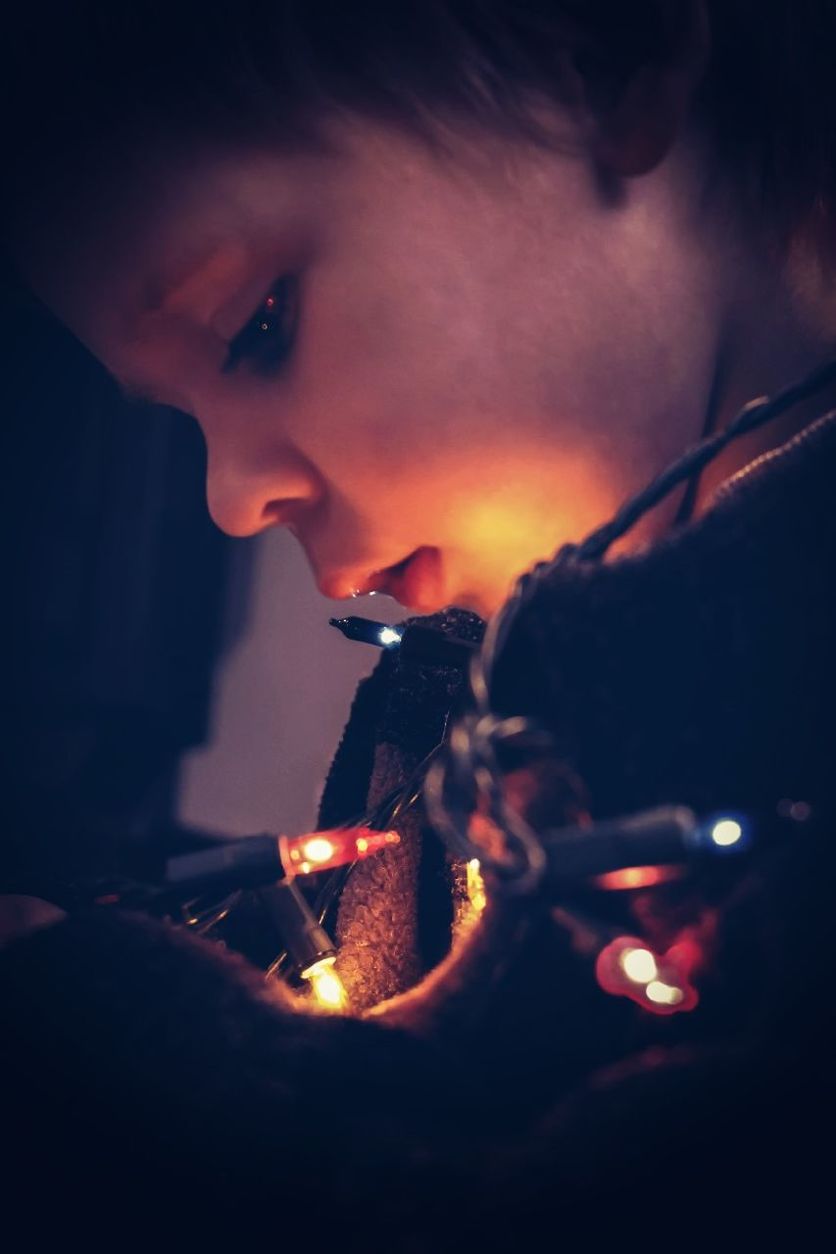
(490,352)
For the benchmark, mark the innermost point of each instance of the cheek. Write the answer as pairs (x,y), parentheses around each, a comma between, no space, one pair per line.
(416,330)
(499,397)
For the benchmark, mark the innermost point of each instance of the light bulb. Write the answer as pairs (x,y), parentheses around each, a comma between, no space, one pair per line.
(319,851)
(726,832)
(475,886)
(328,989)
(639,965)
(389,636)
(664,994)
(659,983)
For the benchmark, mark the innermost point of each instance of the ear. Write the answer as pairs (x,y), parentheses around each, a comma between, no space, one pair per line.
(632,126)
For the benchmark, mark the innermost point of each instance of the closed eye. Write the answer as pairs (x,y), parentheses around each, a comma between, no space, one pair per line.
(267,340)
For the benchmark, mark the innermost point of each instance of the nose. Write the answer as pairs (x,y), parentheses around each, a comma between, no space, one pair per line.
(246,497)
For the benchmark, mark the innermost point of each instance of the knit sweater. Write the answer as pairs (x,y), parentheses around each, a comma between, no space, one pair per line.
(496,1089)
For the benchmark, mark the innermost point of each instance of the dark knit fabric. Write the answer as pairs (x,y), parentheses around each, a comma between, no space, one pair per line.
(531,1103)
(686,673)
(399,716)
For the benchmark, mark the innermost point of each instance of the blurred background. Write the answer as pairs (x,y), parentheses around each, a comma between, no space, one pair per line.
(159,675)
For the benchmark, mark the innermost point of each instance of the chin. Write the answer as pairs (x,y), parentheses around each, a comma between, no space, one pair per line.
(478,603)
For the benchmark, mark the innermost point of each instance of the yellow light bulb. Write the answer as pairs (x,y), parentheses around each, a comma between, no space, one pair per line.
(328,988)
(639,965)
(476,886)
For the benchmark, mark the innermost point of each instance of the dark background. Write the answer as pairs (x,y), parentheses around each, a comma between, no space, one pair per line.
(115,586)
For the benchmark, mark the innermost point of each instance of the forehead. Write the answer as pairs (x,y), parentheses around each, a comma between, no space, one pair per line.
(164,207)
(175,227)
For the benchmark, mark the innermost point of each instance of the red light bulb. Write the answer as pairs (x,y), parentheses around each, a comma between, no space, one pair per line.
(337,846)
(628,967)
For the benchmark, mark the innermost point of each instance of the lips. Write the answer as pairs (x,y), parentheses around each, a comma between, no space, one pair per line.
(416,581)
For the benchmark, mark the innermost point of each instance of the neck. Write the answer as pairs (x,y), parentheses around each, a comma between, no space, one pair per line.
(769,343)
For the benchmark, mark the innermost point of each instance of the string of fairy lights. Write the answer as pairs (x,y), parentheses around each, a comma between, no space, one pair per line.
(460,785)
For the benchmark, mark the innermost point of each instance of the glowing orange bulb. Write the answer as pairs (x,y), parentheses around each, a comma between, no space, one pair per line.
(637,877)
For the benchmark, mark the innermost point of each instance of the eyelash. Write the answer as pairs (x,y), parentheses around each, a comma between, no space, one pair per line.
(267,340)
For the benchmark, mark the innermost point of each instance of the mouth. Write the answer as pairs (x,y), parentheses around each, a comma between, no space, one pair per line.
(417,581)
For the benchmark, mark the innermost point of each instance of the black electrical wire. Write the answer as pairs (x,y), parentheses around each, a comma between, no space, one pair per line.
(753,415)
(204,920)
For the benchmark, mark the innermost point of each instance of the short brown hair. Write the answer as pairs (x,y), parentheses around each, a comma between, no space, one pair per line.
(83,76)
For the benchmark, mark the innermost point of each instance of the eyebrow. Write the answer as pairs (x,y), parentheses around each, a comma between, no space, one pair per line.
(221,262)
(160,293)
(216,264)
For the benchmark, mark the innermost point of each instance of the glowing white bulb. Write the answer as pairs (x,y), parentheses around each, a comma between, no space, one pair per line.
(726,832)
(664,994)
(389,635)
(639,965)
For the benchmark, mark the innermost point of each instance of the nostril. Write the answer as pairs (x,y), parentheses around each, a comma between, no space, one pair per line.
(243,514)
(247,492)
(282,513)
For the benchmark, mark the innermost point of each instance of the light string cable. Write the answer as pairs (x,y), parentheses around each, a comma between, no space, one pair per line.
(381,817)
(202,914)
(466,773)
(203,919)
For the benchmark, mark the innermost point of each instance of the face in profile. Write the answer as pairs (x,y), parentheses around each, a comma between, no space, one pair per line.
(433,369)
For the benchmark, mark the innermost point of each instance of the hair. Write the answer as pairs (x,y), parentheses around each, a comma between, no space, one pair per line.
(84,79)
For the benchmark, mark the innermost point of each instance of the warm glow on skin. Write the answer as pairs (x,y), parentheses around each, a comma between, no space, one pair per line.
(496,530)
